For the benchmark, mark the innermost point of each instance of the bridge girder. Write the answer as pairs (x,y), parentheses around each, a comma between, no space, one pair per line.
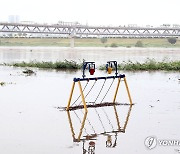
(83,30)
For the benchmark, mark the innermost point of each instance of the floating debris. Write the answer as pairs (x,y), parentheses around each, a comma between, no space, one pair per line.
(93,105)
(151,105)
(2,83)
(28,72)
(177,150)
(5,83)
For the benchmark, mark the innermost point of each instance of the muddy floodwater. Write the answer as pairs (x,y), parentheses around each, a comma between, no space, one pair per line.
(100,55)
(32,120)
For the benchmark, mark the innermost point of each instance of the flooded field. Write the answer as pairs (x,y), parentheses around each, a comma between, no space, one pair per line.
(31,122)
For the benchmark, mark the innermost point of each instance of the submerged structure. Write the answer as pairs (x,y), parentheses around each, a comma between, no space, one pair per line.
(110,66)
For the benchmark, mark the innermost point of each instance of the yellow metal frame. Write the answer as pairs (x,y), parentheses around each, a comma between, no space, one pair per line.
(83,98)
(127,89)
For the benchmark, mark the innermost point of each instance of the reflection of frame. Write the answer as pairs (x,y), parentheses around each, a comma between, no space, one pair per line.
(93,136)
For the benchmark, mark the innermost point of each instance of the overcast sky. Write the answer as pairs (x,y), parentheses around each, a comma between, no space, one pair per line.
(94,12)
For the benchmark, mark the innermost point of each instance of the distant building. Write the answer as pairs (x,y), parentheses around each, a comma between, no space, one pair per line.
(28,22)
(68,23)
(13,19)
(132,25)
(176,25)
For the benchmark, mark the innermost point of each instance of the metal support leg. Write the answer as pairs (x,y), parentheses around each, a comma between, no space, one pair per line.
(69,102)
(82,95)
(72,42)
(119,79)
(128,91)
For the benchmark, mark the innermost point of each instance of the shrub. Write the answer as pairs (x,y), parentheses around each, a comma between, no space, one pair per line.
(172,40)
(103,40)
(50,65)
(114,45)
(139,44)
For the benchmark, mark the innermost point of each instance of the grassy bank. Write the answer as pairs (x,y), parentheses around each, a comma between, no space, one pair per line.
(87,42)
(149,65)
(49,65)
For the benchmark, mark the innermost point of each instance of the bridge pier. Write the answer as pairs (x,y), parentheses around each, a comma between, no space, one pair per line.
(72,42)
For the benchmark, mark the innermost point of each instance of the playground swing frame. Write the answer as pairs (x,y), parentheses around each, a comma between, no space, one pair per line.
(78,80)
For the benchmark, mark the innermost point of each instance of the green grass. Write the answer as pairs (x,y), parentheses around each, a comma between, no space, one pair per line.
(50,65)
(148,65)
(87,42)
(34,42)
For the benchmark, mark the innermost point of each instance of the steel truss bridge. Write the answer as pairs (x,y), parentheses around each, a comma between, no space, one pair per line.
(89,31)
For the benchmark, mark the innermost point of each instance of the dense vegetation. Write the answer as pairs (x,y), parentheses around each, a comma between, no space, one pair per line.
(149,64)
(50,65)
(172,40)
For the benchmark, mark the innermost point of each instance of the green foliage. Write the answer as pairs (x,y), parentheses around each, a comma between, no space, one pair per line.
(172,40)
(139,44)
(103,40)
(150,64)
(113,45)
(50,65)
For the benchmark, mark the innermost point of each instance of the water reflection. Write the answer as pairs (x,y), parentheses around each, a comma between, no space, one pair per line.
(101,55)
(88,138)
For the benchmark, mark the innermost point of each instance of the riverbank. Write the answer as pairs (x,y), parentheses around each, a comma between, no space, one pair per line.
(89,42)
(148,65)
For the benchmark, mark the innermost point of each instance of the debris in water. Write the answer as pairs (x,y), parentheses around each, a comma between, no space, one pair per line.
(5,83)
(2,83)
(177,150)
(93,105)
(28,72)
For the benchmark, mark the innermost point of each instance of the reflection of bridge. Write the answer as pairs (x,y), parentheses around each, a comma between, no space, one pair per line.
(89,31)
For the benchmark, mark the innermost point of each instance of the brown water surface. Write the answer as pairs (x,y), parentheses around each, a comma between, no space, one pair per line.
(32,124)
(100,55)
